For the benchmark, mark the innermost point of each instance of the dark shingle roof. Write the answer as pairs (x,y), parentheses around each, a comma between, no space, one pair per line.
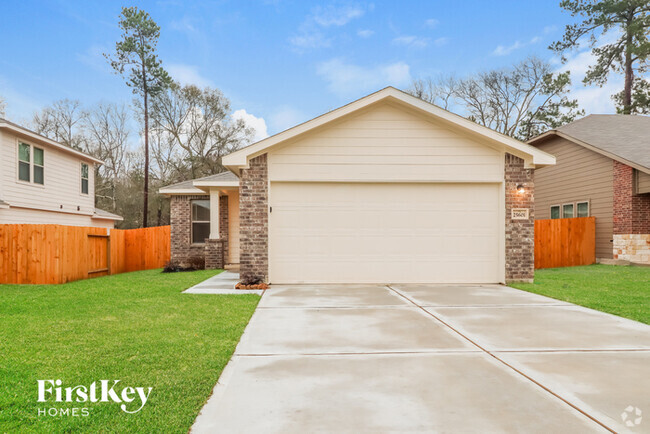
(626,136)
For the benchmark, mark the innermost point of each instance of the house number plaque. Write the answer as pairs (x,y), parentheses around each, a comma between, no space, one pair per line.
(519,213)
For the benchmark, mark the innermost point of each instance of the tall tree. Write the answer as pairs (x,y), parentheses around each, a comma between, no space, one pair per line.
(522,101)
(135,59)
(3,106)
(629,21)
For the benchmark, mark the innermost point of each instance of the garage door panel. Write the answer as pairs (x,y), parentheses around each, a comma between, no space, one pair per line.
(349,233)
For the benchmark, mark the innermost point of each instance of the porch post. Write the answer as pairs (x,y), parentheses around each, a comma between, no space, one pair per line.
(214,213)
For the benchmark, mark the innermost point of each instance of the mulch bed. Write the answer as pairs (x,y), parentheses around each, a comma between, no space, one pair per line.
(254,286)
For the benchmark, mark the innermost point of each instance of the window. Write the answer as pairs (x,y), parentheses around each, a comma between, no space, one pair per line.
(200,221)
(38,166)
(583,209)
(555,212)
(31,164)
(24,161)
(84,178)
(567,210)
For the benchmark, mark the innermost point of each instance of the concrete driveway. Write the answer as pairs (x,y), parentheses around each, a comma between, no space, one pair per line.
(365,358)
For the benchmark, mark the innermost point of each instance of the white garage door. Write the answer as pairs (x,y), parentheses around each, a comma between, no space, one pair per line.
(384,233)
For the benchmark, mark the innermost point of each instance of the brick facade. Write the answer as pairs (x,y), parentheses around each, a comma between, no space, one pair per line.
(520,234)
(181,229)
(253,221)
(631,218)
(182,249)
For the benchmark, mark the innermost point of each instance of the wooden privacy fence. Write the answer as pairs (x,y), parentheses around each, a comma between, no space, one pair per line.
(58,254)
(565,242)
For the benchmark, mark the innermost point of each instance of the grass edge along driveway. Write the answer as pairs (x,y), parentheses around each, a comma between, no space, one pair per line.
(134,327)
(615,289)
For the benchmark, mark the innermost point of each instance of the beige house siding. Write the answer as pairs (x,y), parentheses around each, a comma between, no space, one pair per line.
(579,175)
(36,217)
(642,182)
(388,144)
(61,190)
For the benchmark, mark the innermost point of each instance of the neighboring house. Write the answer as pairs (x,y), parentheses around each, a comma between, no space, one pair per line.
(45,182)
(388,188)
(602,170)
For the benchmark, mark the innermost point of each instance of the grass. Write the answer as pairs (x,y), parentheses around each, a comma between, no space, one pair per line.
(620,290)
(134,327)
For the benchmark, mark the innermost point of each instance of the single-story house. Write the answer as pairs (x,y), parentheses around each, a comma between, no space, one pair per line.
(602,170)
(46,182)
(388,188)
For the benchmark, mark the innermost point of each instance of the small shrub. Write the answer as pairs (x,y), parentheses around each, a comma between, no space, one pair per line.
(196,263)
(172,266)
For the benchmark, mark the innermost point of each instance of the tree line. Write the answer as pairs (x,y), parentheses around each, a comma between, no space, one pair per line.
(185,130)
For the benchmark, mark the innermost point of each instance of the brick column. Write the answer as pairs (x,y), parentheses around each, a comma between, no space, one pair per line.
(214,254)
(253,221)
(520,234)
(631,218)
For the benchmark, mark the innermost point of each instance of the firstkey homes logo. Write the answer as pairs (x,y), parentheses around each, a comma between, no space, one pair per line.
(131,399)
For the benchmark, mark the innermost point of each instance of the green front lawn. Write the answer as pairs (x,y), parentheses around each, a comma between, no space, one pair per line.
(135,327)
(621,290)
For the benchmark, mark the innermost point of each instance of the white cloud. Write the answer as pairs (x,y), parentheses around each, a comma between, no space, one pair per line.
(365,33)
(347,80)
(187,74)
(310,40)
(411,41)
(431,23)
(336,16)
(258,124)
(440,41)
(310,33)
(285,117)
(502,50)
(549,29)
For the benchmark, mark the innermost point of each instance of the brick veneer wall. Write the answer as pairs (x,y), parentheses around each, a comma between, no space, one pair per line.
(214,254)
(631,212)
(181,221)
(253,221)
(520,234)
(631,218)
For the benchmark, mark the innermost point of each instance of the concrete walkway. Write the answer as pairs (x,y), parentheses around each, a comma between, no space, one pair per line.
(431,358)
(222,283)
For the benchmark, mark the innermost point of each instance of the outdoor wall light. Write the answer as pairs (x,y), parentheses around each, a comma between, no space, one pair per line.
(521,189)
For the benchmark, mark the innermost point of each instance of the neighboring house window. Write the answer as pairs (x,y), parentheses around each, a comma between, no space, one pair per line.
(31,162)
(582,209)
(84,178)
(555,212)
(567,210)
(200,221)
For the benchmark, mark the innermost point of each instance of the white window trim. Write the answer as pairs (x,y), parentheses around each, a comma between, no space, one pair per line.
(562,210)
(81,192)
(31,164)
(192,221)
(551,211)
(588,208)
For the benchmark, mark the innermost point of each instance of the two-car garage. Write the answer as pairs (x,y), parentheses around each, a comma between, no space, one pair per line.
(388,189)
(385,232)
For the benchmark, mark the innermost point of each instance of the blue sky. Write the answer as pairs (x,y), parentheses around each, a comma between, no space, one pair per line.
(282,62)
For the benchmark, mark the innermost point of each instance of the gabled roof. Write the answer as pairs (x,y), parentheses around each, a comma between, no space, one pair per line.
(200,185)
(625,138)
(532,156)
(42,140)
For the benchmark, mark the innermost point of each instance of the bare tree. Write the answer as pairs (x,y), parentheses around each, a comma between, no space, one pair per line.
(198,123)
(3,107)
(107,135)
(62,122)
(520,102)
